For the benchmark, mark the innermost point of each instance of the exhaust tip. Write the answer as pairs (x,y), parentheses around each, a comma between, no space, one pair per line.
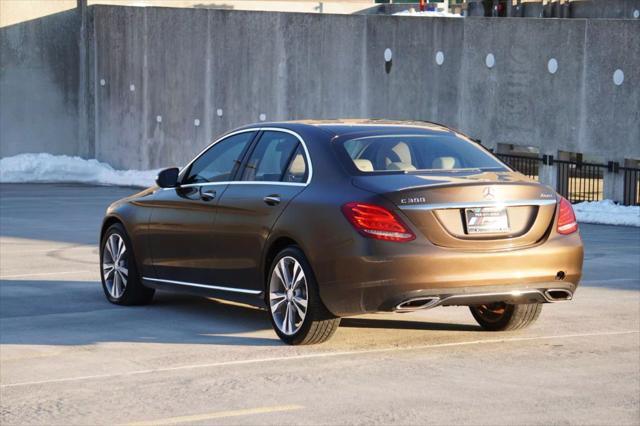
(558,294)
(417,303)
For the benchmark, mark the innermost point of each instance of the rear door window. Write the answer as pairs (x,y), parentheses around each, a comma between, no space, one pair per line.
(297,170)
(272,157)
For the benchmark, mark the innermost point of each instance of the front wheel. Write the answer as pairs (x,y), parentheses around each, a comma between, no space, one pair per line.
(502,316)
(120,279)
(298,315)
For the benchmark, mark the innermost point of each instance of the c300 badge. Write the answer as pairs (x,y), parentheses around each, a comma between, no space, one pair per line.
(413,200)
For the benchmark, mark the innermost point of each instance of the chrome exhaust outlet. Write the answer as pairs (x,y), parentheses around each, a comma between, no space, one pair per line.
(558,295)
(417,303)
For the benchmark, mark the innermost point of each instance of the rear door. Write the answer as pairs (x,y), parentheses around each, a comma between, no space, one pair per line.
(182,219)
(276,170)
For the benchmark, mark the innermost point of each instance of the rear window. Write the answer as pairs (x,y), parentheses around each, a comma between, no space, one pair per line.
(407,153)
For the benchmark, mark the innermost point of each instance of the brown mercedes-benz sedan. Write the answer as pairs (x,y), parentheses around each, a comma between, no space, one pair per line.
(316,220)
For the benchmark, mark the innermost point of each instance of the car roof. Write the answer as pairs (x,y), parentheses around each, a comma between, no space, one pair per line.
(339,127)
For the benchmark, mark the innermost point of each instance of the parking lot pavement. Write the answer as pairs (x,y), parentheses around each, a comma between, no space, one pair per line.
(69,357)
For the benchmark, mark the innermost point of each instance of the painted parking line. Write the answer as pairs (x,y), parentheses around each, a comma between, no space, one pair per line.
(216,415)
(317,355)
(42,274)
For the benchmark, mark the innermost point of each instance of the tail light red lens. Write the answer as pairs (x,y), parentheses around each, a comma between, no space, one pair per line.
(377,222)
(567,223)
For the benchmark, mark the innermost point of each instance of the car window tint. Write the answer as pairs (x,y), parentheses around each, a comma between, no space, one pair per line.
(418,152)
(219,162)
(270,157)
(297,170)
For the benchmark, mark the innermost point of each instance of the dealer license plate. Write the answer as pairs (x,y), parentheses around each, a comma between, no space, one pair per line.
(485,220)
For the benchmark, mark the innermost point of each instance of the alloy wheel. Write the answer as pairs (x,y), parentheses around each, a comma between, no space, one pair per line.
(288,295)
(115,270)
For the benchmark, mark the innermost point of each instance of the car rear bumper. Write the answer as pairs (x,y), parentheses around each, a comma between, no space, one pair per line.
(391,273)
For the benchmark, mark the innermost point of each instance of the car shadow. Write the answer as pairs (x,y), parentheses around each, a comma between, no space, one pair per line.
(405,325)
(77,313)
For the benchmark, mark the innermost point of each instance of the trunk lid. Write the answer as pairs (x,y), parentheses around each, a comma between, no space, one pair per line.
(437,203)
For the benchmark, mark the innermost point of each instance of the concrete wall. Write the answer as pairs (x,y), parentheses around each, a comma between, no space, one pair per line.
(151,74)
(187,64)
(621,9)
(39,86)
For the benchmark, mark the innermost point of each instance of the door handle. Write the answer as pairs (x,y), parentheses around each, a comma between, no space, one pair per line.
(207,194)
(272,200)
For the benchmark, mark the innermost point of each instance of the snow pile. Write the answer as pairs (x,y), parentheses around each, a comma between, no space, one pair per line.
(608,213)
(413,12)
(61,168)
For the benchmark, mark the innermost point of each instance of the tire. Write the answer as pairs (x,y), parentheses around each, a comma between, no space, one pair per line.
(317,324)
(121,285)
(505,317)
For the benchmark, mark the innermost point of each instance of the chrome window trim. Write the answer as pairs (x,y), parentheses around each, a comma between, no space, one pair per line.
(209,286)
(244,182)
(472,204)
(247,182)
(408,135)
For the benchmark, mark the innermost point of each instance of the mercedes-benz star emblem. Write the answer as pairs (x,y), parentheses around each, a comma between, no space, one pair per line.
(488,193)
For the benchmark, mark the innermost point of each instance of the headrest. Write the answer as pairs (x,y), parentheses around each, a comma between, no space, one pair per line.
(403,152)
(364,165)
(298,166)
(444,163)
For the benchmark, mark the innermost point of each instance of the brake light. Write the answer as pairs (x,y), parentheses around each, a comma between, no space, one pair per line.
(567,223)
(377,222)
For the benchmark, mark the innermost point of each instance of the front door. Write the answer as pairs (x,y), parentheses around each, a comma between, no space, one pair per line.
(182,219)
(274,173)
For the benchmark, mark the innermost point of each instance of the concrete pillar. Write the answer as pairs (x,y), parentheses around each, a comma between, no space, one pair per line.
(475,8)
(532,9)
(548,175)
(86,135)
(613,184)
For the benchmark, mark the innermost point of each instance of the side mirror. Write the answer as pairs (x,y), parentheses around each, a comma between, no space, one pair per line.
(168,178)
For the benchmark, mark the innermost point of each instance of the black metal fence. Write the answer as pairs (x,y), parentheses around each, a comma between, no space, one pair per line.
(526,164)
(578,181)
(631,186)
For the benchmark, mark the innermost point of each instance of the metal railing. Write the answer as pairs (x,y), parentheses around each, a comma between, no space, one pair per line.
(526,164)
(577,180)
(631,178)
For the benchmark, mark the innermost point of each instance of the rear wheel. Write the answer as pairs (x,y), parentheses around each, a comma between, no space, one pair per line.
(120,280)
(502,316)
(298,315)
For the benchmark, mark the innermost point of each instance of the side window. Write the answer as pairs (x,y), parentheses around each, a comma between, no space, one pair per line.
(271,156)
(220,161)
(297,170)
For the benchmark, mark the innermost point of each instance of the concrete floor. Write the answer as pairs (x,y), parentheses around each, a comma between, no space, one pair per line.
(69,357)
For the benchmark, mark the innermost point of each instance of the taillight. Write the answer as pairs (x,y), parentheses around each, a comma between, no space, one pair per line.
(377,222)
(567,223)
